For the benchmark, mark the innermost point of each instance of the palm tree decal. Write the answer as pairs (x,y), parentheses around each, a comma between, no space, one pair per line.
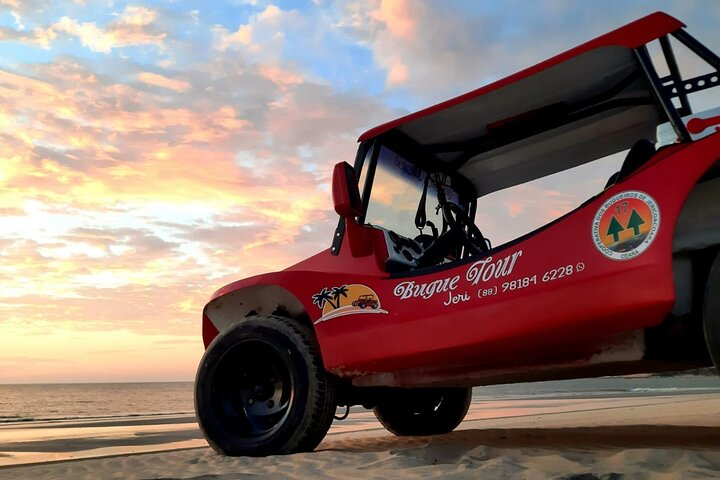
(330,301)
(337,291)
(323,296)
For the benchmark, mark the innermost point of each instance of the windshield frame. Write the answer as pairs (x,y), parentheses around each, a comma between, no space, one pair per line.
(467,196)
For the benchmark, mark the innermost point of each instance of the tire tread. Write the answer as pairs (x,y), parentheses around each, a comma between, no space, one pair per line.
(314,424)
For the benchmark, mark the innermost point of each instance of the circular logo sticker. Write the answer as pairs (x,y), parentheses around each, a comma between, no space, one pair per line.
(625,225)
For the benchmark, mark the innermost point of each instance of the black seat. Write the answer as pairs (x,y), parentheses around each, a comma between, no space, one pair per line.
(641,152)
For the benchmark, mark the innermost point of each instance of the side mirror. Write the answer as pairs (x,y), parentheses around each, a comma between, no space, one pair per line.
(345,192)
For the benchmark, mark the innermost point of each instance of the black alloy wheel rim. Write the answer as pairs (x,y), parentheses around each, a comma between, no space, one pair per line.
(252,390)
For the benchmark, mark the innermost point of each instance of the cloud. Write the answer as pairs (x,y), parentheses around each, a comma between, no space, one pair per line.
(93,37)
(264,35)
(42,37)
(18,21)
(137,16)
(163,82)
(242,36)
(398,17)
(280,76)
(134,26)
(24,7)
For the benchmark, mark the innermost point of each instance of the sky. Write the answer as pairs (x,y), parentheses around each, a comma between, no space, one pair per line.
(153,151)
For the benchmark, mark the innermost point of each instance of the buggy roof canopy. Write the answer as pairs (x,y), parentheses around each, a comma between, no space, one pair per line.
(583,104)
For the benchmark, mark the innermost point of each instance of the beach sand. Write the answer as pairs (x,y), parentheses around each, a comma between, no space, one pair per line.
(654,437)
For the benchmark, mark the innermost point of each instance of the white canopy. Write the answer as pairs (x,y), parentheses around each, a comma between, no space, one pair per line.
(576,107)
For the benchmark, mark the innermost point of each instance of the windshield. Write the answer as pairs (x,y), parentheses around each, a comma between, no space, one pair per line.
(397,191)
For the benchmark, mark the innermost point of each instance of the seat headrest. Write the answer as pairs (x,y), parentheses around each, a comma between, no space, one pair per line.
(641,152)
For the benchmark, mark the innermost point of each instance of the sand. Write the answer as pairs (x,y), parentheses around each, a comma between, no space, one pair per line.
(654,437)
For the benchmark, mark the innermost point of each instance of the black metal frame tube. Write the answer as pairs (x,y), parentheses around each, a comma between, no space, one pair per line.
(685,108)
(369,178)
(643,57)
(701,50)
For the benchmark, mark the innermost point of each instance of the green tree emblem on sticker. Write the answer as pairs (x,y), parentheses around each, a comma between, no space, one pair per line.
(614,229)
(635,222)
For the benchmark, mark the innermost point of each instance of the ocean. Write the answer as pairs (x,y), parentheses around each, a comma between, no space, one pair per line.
(50,402)
(55,402)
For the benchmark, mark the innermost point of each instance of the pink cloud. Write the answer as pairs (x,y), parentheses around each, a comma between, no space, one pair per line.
(137,16)
(241,37)
(134,26)
(391,29)
(42,37)
(270,14)
(264,34)
(397,71)
(280,76)
(163,82)
(399,18)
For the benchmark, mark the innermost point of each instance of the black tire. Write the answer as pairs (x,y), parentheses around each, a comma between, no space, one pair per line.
(711,313)
(430,411)
(261,389)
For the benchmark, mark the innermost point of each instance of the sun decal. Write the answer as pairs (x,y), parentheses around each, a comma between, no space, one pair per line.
(625,225)
(346,300)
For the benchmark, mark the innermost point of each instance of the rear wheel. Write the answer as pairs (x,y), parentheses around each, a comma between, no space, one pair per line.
(711,313)
(423,411)
(261,390)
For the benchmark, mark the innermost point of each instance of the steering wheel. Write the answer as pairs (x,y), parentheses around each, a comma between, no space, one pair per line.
(458,221)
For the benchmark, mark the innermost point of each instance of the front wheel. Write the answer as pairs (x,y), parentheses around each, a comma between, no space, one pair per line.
(427,411)
(261,389)
(711,313)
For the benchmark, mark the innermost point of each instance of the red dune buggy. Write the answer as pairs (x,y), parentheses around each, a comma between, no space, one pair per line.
(412,305)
